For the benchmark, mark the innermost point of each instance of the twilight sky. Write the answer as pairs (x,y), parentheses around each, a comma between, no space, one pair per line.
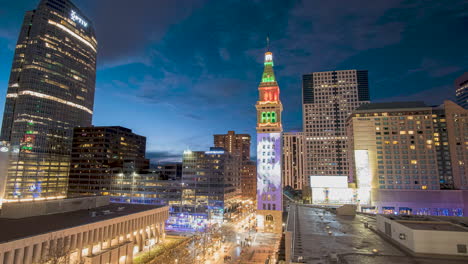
(179,71)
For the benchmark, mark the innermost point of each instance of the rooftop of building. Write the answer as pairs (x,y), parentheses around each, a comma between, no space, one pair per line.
(392,106)
(231,133)
(463,79)
(432,225)
(13,229)
(104,127)
(416,222)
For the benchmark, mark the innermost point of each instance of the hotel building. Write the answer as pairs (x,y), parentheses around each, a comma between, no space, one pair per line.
(411,157)
(328,99)
(50,91)
(293,160)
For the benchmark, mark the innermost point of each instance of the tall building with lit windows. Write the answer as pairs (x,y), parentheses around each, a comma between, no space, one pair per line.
(411,157)
(108,161)
(328,98)
(461,90)
(211,187)
(236,144)
(50,91)
(269,149)
(293,158)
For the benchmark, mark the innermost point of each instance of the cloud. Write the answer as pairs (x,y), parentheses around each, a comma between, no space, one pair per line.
(433,96)
(435,69)
(224,54)
(8,34)
(163,156)
(126,28)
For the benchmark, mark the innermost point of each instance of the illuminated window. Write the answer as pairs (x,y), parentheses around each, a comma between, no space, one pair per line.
(273,117)
(412,147)
(414,162)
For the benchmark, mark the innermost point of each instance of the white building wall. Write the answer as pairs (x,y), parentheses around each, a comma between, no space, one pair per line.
(425,241)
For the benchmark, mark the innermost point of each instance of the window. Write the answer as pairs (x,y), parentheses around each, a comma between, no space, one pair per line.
(461,248)
(388,229)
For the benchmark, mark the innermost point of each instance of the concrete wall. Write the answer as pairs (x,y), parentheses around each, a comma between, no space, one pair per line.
(17,210)
(424,241)
(397,228)
(4,160)
(347,209)
(439,242)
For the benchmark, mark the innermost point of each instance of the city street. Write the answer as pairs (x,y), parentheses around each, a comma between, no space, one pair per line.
(241,243)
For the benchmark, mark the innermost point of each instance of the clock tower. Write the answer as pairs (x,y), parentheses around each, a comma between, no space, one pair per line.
(269,129)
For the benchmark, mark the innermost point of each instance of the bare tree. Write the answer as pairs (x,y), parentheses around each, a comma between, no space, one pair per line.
(58,253)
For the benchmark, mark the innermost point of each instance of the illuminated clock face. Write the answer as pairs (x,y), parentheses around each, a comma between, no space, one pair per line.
(268,57)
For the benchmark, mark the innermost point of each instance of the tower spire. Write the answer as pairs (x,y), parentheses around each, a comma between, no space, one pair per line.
(268,42)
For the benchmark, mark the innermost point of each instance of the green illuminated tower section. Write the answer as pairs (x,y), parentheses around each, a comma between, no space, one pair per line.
(269,106)
(269,191)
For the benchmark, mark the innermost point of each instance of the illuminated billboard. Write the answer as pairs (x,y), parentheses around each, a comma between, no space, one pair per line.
(363,176)
(269,194)
(333,195)
(329,181)
(364,179)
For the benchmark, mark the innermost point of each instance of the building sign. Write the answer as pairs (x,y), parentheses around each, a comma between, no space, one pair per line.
(269,171)
(76,18)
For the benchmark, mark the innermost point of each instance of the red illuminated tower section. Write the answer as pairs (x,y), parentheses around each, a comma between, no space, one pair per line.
(269,192)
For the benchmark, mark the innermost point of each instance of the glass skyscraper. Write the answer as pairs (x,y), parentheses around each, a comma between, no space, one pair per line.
(50,91)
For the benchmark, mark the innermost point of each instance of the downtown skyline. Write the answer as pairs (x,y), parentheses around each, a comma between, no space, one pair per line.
(190,74)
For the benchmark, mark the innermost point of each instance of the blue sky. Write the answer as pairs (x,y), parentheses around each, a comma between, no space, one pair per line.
(179,71)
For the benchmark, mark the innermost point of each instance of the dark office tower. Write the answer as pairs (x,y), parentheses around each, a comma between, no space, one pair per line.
(328,99)
(461,90)
(50,91)
(236,144)
(106,161)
